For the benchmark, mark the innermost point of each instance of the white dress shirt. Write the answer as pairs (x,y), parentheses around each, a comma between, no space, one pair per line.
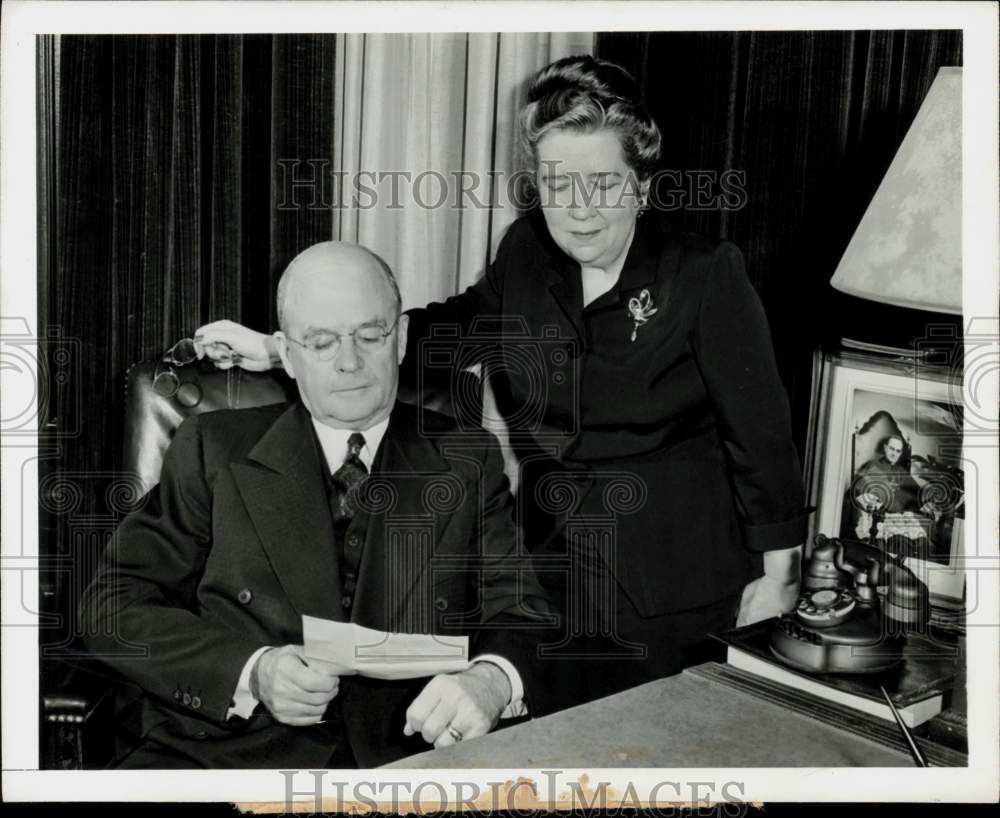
(335,449)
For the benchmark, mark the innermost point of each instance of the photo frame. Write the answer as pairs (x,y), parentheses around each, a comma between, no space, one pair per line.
(885,461)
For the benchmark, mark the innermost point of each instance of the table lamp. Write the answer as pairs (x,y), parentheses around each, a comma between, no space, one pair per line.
(907,250)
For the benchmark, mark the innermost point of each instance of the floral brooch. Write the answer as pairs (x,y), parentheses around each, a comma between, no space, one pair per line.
(640,310)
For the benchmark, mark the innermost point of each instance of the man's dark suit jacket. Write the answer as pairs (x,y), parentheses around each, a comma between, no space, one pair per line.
(236,543)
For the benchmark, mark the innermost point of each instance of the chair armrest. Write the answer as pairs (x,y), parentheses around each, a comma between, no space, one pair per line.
(76,723)
(67,708)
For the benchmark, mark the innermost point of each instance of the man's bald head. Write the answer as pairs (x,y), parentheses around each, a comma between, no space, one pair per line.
(347,264)
(342,334)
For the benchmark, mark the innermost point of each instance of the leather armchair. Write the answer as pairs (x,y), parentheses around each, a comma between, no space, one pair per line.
(78,719)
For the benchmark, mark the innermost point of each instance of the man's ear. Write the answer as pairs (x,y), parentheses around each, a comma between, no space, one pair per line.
(402,331)
(281,342)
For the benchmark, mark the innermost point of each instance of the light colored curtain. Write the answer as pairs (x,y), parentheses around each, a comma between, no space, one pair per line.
(423,123)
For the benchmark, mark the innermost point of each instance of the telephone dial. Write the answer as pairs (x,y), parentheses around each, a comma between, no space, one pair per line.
(856,607)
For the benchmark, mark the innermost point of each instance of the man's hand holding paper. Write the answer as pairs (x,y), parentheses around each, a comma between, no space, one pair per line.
(294,691)
(462,701)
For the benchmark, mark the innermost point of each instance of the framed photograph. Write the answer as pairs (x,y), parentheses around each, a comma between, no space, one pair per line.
(885,460)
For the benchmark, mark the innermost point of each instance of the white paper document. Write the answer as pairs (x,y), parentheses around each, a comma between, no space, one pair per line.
(353,649)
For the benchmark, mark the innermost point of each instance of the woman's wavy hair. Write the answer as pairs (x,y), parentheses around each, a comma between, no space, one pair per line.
(586,94)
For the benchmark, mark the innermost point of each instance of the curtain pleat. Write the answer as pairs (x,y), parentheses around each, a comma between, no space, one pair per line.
(302,103)
(348,130)
(163,211)
(182,285)
(481,123)
(226,284)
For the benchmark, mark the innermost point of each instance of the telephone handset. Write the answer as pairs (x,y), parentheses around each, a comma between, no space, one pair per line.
(856,605)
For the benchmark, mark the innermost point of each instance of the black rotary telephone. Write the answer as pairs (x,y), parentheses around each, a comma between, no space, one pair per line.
(856,607)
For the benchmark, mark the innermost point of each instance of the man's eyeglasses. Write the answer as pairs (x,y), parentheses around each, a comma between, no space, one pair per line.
(166,381)
(326,345)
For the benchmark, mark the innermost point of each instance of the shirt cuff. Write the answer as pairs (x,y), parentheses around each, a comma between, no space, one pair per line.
(516,707)
(244,702)
(775,536)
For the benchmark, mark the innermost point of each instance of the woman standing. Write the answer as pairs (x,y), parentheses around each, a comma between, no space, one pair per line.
(660,490)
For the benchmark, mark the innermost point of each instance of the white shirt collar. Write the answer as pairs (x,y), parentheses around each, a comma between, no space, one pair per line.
(334,443)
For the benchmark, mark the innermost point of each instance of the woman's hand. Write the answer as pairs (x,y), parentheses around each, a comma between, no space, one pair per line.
(227,344)
(765,598)
(777,591)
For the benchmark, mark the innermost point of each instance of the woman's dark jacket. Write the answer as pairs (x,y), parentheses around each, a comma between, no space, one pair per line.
(674,449)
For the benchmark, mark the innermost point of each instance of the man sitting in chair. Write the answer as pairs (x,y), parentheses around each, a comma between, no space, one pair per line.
(264,515)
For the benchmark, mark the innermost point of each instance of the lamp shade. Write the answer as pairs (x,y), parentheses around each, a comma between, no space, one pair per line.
(907,250)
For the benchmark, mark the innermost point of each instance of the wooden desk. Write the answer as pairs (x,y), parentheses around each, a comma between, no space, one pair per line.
(686,720)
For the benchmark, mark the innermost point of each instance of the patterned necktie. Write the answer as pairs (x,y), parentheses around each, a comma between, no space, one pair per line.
(348,479)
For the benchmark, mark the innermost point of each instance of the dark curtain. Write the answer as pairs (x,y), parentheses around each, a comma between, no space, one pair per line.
(159,181)
(165,196)
(813,120)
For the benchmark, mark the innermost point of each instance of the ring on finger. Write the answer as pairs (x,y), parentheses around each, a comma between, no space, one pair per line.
(455,733)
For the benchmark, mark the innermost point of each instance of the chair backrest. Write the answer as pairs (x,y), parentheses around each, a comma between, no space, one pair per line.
(151,418)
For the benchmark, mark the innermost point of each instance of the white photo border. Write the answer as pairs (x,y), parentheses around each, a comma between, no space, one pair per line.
(22,20)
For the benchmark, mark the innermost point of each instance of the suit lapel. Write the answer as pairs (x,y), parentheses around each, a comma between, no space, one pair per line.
(561,275)
(568,295)
(396,507)
(639,272)
(566,288)
(649,265)
(286,500)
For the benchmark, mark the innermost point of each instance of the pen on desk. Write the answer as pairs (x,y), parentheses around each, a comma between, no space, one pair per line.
(918,757)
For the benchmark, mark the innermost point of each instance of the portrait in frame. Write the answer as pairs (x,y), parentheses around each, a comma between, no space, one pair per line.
(885,462)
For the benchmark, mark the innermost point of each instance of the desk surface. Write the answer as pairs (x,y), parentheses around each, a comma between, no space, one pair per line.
(681,721)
